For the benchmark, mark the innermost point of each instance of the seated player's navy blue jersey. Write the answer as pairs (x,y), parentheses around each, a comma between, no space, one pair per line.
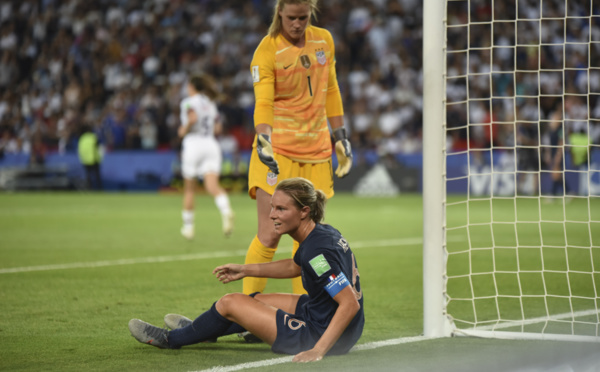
(328,265)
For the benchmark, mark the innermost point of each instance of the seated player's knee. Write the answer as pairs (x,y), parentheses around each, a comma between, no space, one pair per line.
(229,303)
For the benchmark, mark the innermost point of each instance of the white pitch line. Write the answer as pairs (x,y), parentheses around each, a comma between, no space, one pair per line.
(541,319)
(189,257)
(288,359)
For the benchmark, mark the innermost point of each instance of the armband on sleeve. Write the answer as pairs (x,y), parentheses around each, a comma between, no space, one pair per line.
(336,284)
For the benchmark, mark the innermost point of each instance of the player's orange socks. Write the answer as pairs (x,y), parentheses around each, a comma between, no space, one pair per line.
(297,286)
(257,253)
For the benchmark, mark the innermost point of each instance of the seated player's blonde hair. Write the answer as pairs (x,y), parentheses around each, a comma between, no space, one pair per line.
(305,195)
(275,27)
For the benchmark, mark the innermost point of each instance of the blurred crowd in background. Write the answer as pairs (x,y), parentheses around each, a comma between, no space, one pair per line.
(119,66)
(509,82)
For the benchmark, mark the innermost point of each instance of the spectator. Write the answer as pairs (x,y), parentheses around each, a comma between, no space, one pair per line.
(90,157)
(579,147)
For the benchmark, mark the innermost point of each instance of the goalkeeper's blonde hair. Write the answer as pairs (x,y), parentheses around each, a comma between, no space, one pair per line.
(305,195)
(275,28)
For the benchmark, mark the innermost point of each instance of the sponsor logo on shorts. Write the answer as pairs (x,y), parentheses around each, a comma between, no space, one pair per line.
(271,178)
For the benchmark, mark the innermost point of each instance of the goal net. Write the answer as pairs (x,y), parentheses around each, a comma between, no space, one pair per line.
(521,168)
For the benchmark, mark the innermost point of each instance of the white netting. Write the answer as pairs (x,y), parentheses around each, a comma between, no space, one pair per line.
(522,165)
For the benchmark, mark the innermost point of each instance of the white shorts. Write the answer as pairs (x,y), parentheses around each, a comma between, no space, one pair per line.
(200,155)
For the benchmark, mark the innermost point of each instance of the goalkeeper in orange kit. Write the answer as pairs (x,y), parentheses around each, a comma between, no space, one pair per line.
(297,93)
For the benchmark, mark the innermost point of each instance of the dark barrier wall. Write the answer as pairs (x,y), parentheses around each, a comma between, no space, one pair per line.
(126,170)
(147,171)
(371,174)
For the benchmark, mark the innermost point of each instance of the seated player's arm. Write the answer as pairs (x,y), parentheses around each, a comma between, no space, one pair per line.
(348,306)
(282,269)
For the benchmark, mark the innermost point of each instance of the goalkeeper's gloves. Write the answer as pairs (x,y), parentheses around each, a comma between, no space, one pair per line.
(265,152)
(343,152)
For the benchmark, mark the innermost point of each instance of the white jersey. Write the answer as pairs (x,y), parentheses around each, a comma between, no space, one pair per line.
(200,152)
(205,110)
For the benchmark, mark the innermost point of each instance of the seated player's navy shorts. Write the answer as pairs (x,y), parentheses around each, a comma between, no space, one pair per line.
(293,334)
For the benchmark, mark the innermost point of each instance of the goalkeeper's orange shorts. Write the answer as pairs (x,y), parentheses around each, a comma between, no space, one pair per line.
(259,175)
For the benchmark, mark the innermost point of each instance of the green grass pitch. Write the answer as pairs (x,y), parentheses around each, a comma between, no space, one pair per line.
(74,268)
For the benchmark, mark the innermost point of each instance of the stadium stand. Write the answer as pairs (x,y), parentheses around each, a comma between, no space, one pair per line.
(119,66)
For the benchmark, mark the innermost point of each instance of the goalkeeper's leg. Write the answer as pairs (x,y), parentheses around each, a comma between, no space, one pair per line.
(257,253)
(297,286)
(263,247)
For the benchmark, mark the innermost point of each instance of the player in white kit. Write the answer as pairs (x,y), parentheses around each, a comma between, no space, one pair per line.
(201,153)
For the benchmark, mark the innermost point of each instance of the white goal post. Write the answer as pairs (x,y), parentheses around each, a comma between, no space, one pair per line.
(511,169)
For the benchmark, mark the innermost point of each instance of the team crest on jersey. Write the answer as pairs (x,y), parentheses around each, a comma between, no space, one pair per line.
(321,57)
(344,244)
(271,178)
(305,61)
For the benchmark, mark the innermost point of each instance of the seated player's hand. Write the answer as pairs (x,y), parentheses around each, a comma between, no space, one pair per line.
(265,152)
(343,150)
(229,273)
(307,356)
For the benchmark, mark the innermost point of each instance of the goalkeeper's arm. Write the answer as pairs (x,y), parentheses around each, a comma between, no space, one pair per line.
(343,149)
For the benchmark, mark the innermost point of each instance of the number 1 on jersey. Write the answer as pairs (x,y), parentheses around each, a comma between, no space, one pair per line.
(309,86)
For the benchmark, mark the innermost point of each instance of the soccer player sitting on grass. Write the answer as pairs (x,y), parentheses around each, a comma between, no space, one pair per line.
(327,320)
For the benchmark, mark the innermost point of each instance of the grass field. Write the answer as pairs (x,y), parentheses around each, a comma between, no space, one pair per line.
(74,268)
(525,259)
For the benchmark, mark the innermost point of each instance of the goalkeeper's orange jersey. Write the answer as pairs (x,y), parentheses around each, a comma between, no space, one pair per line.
(296,89)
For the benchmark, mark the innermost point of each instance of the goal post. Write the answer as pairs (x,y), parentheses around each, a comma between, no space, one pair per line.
(435,322)
(511,169)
